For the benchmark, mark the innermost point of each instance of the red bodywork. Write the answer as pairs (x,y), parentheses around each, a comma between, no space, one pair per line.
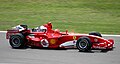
(55,39)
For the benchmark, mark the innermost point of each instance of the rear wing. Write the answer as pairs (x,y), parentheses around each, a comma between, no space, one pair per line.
(11,32)
(17,29)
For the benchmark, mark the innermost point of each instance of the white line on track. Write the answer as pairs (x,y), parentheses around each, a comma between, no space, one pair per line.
(3,31)
(85,34)
(111,35)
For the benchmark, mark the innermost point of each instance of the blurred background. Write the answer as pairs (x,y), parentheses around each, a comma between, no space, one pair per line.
(80,16)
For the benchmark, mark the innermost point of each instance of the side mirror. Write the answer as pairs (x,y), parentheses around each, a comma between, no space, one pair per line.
(66,31)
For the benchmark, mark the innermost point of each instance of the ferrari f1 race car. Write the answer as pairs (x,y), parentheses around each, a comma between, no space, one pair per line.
(45,37)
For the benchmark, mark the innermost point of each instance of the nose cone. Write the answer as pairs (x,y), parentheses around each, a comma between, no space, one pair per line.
(111,40)
(111,43)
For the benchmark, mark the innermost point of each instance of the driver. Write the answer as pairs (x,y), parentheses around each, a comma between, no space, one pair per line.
(42,29)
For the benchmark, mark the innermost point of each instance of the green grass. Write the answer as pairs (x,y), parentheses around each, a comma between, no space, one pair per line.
(81,16)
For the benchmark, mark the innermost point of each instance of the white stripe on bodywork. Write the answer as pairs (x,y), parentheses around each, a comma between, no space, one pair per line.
(69,43)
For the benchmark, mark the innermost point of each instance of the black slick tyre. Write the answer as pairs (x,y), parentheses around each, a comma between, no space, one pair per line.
(17,41)
(84,44)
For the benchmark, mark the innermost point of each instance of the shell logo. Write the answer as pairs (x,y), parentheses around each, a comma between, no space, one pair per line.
(74,37)
(52,41)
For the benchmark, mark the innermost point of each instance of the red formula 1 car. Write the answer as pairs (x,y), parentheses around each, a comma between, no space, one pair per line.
(45,37)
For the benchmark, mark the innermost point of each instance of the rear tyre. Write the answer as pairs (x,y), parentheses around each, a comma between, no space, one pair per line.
(95,34)
(17,41)
(84,44)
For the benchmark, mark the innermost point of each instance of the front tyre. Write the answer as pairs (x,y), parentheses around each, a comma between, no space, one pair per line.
(17,41)
(84,44)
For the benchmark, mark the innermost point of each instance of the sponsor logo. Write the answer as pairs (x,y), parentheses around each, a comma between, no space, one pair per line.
(98,47)
(96,40)
(44,43)
(74,37)
(52,41)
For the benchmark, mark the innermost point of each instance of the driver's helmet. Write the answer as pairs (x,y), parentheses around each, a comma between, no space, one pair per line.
(42,29)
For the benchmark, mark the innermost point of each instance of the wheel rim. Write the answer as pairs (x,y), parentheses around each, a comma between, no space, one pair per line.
(83,44)
(16,42)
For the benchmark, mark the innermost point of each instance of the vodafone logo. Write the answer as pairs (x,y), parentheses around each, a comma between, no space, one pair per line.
(44,43)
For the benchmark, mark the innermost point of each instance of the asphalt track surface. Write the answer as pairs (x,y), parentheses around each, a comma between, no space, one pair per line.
(46,56)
